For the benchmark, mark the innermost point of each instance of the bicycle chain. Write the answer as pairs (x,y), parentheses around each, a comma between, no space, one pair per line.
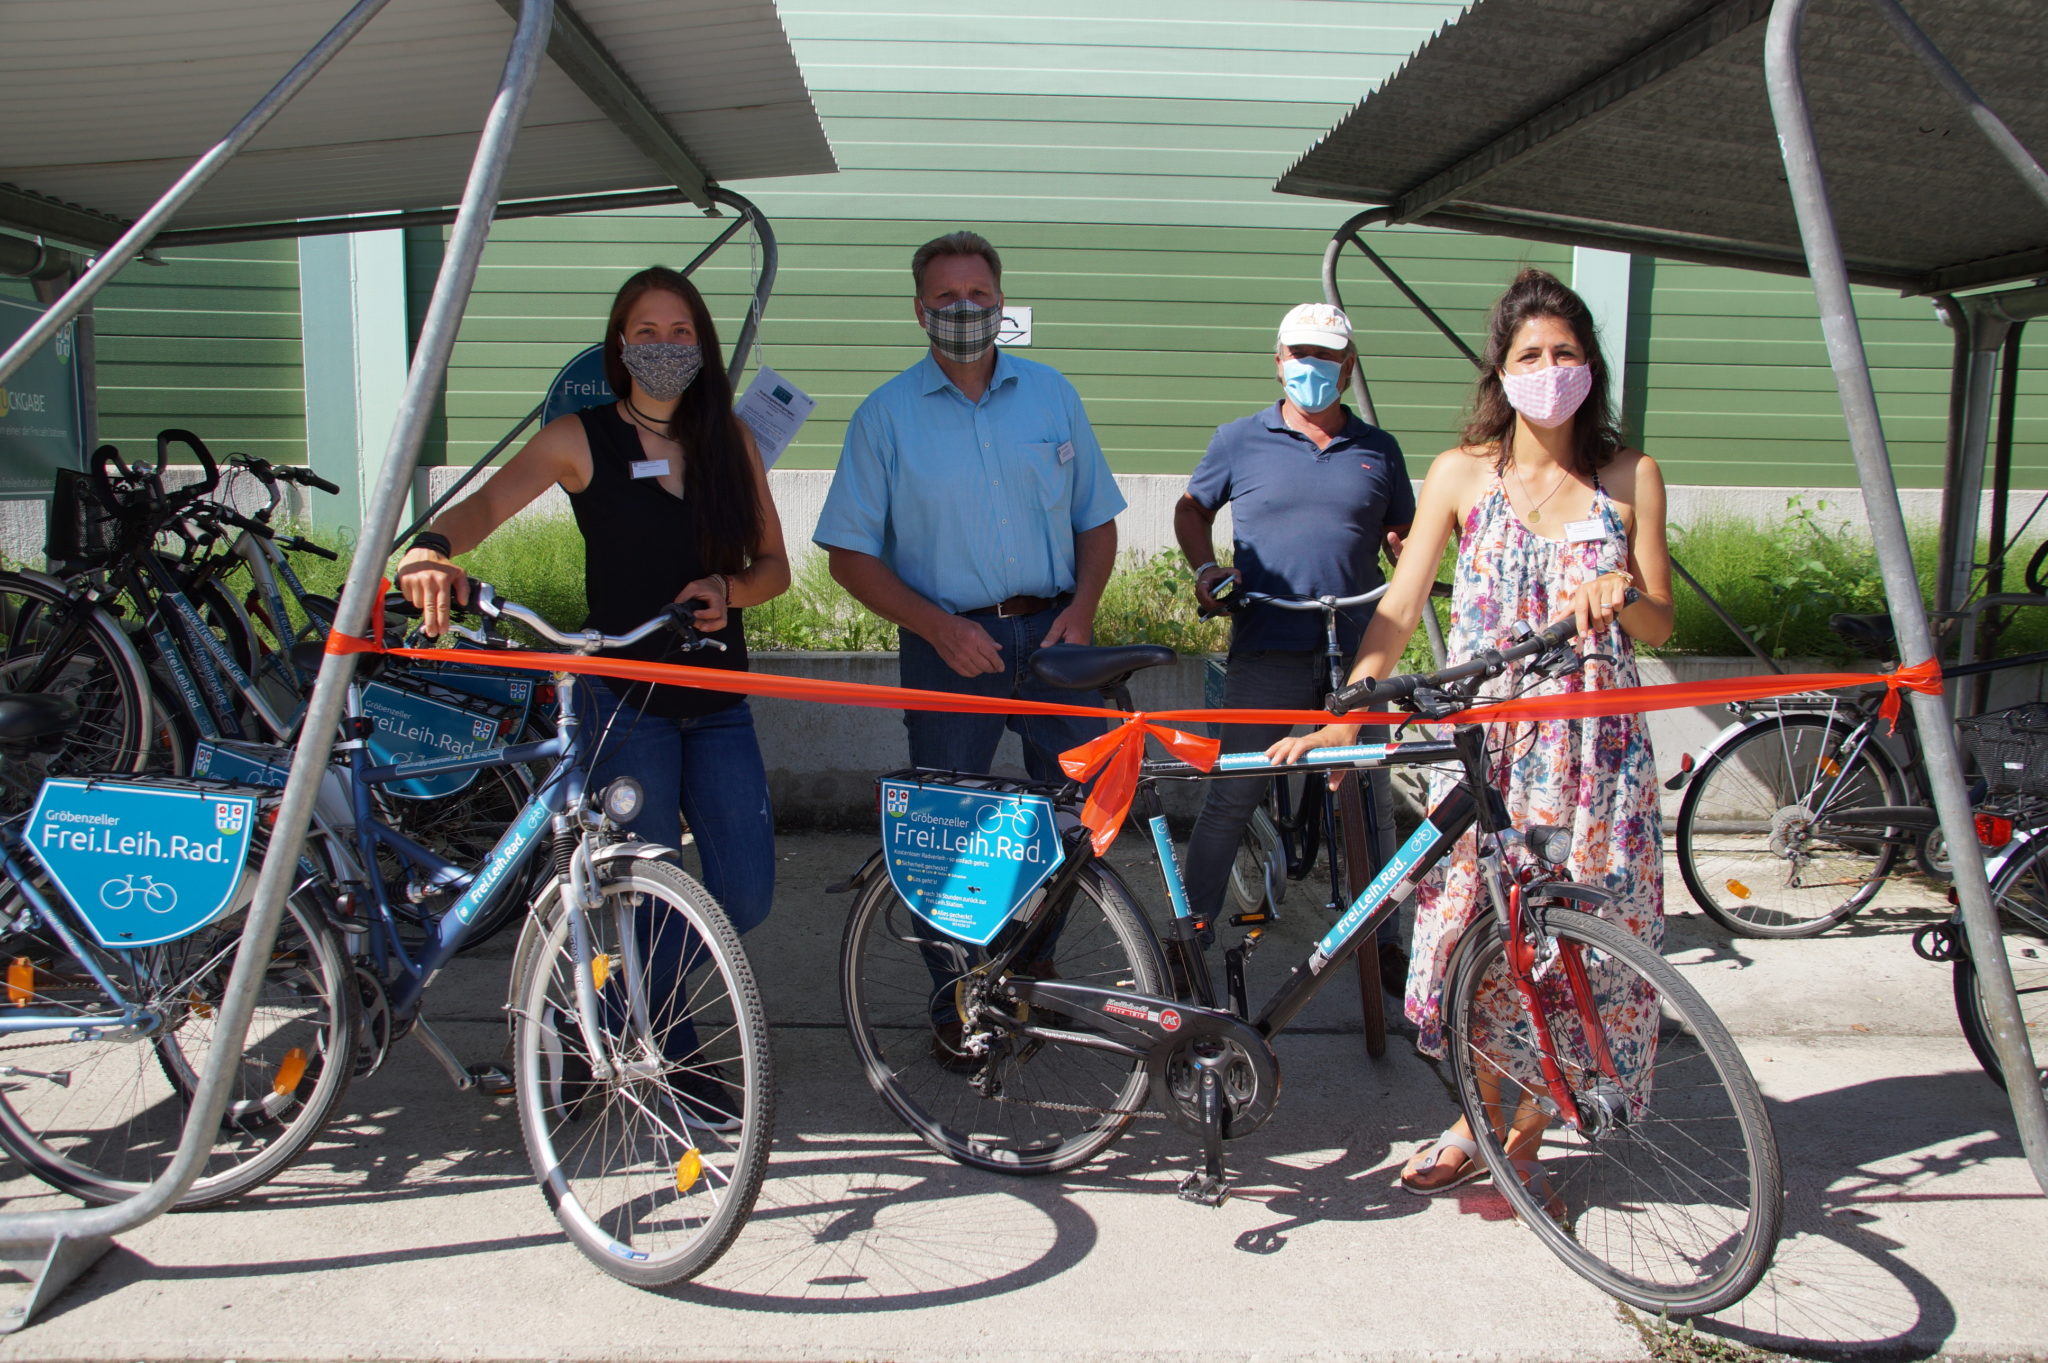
(1081,1109)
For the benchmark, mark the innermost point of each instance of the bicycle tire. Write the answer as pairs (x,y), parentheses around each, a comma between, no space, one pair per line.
(890,997)
(612,1157)
(1747,841)
(1257,874)
(112,1122)
(2019,892)
(1678,1205)
(56,644)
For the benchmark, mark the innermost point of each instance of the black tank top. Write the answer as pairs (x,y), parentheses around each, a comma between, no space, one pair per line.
(640,549)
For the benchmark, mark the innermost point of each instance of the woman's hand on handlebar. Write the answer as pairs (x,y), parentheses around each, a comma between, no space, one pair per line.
(1292,749)
(1595,604)
(706,598)
(430,582)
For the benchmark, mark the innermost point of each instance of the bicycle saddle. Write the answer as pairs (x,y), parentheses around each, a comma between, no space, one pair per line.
(29,716)
(1089,667)
(1870,633)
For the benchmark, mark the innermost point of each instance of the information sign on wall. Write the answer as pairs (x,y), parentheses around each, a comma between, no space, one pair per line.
(42,427)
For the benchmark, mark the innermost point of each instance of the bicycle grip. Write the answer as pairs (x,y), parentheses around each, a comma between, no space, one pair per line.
(302,546)
(308,478)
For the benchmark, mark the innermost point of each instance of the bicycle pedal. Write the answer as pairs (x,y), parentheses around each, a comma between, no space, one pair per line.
(1240,920)
(1202,1188)
(491,1081)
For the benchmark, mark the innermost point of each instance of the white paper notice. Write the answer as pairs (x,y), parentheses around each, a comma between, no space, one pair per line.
(774,408)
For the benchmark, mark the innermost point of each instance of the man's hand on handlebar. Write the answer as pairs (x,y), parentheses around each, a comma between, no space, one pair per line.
(430,582)
(1205,585)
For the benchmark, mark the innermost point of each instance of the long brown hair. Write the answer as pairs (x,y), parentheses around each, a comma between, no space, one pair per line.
(1596,435)
(718,477)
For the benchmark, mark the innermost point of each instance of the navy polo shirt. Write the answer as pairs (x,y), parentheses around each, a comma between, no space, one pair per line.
(1305,522)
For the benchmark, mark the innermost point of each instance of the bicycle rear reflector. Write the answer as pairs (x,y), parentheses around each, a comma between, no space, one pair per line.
(1993,830)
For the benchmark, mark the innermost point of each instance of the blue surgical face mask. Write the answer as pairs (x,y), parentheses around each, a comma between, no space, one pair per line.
(1311,383)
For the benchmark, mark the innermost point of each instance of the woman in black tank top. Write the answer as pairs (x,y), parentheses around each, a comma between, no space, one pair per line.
(673,503)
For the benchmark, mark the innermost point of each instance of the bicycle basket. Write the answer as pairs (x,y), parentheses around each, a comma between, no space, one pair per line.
(2011,747)
(83,531)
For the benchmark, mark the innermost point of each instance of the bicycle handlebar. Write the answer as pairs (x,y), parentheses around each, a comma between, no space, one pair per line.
(1310,603)
(485,602)
(1489,663)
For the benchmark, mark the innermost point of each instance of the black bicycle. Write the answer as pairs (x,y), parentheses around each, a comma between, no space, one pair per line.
(1009,1002)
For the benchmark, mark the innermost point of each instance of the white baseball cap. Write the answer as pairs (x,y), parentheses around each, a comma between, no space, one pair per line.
(1316,324)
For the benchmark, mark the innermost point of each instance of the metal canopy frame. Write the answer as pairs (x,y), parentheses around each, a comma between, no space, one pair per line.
(1475,192)
(52,1248)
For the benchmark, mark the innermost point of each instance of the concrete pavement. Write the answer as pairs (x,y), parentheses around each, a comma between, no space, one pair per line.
(414,1231)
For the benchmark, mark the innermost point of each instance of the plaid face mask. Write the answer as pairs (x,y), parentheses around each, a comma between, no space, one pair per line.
(963,331)
(662,369)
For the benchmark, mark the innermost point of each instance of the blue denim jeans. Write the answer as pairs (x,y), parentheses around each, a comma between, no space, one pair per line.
(953,742)
(710,769)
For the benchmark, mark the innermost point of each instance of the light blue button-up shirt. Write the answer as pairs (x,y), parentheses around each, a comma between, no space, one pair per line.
(971,503)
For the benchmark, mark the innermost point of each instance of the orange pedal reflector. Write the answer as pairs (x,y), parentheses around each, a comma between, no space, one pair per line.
(21,980)
(290,1071)
(688,1169)
(1738,889)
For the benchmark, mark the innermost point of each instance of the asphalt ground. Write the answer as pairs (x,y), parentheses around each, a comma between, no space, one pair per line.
(414,1231)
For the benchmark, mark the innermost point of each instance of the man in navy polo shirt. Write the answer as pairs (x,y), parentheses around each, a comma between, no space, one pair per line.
(1314,493)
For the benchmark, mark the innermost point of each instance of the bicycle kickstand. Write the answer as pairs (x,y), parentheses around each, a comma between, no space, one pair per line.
(1210,1186)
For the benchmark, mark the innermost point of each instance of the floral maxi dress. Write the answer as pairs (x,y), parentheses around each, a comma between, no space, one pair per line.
(1593,776)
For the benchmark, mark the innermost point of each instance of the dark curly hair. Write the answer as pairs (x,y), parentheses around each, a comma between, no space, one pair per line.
(1596,435)
(718,477)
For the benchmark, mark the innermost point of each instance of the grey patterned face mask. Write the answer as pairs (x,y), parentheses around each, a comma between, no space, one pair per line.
(663,369)
(963,331)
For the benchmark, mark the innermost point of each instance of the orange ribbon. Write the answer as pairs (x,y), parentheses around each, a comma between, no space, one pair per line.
(1116,759)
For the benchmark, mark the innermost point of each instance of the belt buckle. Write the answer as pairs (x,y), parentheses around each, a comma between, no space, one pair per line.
(1003,611)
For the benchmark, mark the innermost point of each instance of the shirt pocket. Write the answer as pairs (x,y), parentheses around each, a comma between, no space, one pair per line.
(1051,478)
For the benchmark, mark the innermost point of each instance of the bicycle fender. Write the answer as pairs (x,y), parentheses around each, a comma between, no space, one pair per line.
(1592,896)
(869,869)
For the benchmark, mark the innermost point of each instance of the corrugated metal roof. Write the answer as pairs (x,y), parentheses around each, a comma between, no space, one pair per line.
(1644,125)
(106,102)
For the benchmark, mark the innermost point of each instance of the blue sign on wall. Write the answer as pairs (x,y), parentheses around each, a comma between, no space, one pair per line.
(965,859)
(580,384)
(142,864)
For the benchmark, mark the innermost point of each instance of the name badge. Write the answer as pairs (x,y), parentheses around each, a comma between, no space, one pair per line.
(651,468)
(1066,451)
(1580,532)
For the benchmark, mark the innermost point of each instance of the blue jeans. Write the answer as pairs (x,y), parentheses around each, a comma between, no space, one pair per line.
(953,742)
(708,767)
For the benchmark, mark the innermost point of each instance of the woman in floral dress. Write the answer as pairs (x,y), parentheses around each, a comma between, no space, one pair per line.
(1554,516)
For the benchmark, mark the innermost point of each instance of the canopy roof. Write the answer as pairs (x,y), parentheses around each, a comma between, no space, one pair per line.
(1643,125)
(105,104)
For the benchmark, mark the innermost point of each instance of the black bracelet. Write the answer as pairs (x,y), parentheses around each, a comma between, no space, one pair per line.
(438,544)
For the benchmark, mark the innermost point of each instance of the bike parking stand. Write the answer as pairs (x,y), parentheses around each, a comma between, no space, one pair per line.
(49,1266)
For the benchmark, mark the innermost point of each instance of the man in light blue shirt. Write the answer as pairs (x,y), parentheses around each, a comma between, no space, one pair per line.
(973,508)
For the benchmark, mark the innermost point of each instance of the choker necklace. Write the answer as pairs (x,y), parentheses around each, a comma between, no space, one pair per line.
(643,421)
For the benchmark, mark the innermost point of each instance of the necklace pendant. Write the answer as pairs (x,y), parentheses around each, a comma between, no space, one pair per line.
(1533,515)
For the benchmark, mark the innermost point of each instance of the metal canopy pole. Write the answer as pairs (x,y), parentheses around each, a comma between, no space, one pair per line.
(135,238)
(1851,364)
(64,1243)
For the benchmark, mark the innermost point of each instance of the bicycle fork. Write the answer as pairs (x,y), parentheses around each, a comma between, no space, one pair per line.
(1521,957)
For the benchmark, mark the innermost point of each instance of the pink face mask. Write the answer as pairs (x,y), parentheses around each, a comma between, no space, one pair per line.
(1548,397)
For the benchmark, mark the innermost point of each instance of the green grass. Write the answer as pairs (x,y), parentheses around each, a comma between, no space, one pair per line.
(1782,583)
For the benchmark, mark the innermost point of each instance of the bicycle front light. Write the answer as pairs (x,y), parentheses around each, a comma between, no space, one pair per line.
(622,800)
(1553,845)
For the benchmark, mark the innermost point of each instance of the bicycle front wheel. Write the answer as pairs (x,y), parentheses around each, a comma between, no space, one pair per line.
(1668,1193)
(99,1113)
(653,1169)
(1762,839)
(1040,1107)
(2020,894)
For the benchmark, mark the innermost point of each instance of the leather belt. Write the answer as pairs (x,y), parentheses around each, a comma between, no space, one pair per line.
(1022,605)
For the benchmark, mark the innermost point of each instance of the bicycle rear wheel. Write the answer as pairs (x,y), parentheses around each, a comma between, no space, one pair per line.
(54,644)
(2020,894)
(100,1115)
(1041,1107)
(652,1171)
(1756,840)
(1670,1195)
